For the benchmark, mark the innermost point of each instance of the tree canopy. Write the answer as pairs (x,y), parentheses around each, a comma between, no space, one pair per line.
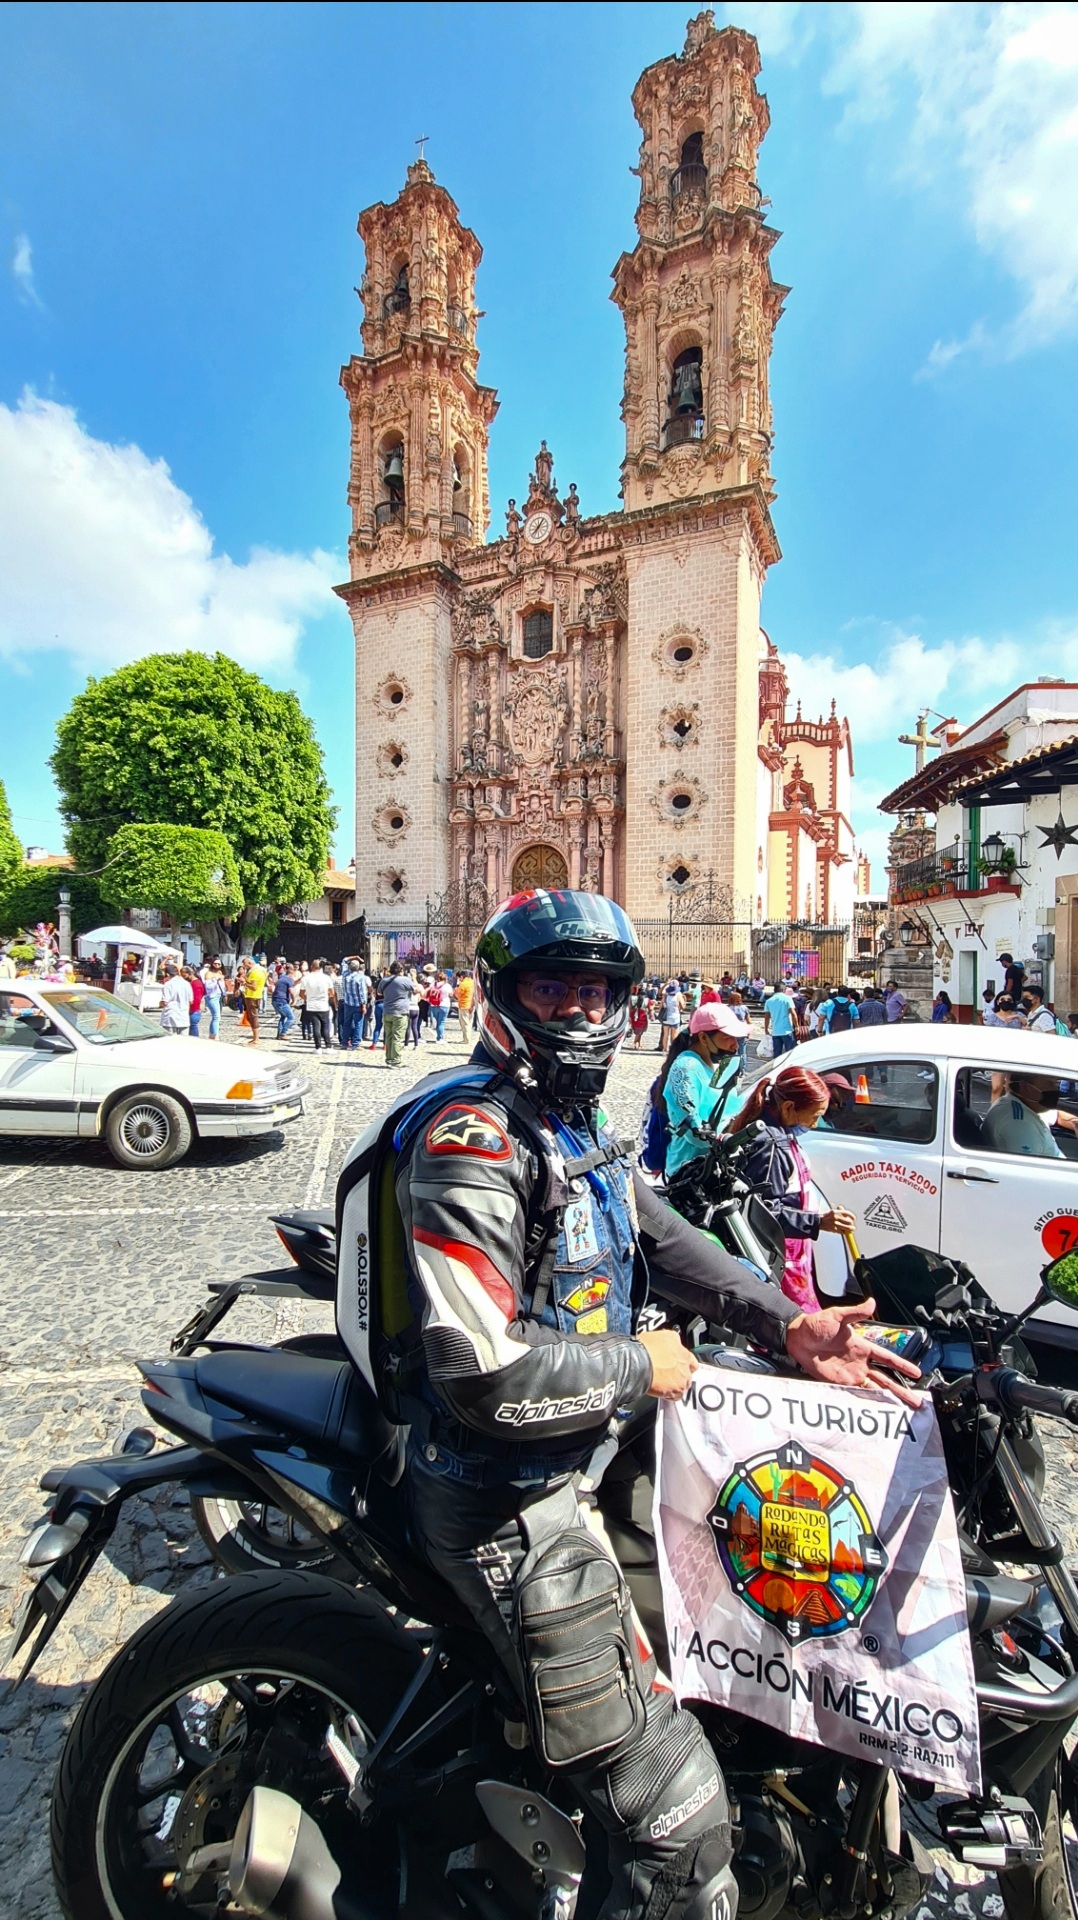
(34,894)
(10,846)
(193,740)
(190,872)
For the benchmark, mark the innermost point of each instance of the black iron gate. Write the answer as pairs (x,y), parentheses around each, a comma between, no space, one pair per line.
(711,946)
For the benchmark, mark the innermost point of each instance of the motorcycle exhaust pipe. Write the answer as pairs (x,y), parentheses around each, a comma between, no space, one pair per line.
(281,1867)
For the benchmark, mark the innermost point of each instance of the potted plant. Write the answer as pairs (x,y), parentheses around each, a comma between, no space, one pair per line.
(1000,869)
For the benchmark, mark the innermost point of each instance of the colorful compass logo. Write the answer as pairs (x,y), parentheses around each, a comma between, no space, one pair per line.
(796,1543)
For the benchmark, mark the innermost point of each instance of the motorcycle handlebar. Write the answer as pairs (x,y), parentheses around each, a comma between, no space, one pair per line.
(1010,1390)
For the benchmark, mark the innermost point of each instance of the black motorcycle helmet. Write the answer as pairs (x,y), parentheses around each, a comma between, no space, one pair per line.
(567,933)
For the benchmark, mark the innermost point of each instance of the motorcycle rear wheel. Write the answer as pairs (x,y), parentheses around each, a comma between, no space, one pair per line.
(239,1679)
(245,1536)
(1050,1891)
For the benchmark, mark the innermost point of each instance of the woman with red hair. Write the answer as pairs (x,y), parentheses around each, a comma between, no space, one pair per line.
(789,1106)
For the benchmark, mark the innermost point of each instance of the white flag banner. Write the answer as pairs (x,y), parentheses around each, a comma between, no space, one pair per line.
(811,1571)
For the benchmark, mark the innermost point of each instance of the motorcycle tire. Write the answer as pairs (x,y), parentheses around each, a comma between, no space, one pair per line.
(248,1536)
(241,1534)
(1049,1891)
(299,1652)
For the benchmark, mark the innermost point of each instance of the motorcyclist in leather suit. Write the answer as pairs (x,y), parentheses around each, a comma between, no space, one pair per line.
(529,1238)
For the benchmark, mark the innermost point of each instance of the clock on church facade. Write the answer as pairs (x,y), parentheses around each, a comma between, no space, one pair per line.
(587,700)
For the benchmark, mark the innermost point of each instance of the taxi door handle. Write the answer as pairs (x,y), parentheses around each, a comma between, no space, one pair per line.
(971,1173)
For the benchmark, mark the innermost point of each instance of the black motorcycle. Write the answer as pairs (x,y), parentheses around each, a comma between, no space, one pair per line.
(281,1744)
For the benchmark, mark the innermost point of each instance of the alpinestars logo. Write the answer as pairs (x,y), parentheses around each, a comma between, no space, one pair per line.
(523,1413)
(467,1130)
(678,1815)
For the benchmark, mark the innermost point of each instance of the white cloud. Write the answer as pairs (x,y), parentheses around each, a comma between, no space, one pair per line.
(880,695)
(103,556)
(995,122)
(22,272)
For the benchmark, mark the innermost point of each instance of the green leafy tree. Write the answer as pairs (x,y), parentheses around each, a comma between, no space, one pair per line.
(10,846)
(34,895)
(189,872)
(193,740)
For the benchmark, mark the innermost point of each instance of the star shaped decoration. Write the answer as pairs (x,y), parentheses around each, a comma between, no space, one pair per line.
(1060,835)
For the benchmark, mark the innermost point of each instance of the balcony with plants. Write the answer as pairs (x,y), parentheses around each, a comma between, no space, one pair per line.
(962,870)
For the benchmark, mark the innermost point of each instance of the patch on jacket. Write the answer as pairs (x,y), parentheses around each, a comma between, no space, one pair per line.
(467,1130)
(591,1294)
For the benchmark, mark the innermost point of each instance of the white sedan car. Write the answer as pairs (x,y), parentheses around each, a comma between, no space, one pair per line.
(77,1061)
(956,1139)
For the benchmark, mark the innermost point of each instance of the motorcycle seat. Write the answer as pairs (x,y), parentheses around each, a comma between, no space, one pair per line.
(324,1401)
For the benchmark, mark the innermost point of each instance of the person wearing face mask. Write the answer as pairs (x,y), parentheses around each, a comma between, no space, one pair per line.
(789,1107)
(700,1074)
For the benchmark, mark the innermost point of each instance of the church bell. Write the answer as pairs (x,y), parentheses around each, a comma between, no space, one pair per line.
(394,466)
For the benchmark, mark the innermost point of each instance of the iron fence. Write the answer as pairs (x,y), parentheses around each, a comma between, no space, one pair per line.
(712,947)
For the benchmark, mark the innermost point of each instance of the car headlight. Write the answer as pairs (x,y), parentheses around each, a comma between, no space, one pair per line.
(252,1090)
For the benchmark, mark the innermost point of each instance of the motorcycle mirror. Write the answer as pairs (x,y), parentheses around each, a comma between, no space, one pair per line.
(543,1836)
(1059,1279)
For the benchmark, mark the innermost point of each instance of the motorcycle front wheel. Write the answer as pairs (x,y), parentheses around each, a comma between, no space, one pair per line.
(1050,1891)
(237,1684)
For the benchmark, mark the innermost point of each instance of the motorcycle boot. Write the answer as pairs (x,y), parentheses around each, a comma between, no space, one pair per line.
(665,1810)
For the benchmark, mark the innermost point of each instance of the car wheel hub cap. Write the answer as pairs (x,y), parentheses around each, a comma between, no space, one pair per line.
(145,1130)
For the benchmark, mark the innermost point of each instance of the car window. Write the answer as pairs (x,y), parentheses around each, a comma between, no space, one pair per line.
(890,1100)
(99,1018)
(1016,1112)
(22,1024)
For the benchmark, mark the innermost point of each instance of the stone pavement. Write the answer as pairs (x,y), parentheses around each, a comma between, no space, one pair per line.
(100,1266)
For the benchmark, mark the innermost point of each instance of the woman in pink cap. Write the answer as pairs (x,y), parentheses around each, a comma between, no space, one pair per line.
(698,1079)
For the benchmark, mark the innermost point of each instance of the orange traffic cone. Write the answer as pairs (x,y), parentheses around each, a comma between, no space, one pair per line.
(862,1098)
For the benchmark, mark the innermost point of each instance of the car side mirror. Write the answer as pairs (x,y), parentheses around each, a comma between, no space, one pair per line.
(53,1043)
(1060,1280)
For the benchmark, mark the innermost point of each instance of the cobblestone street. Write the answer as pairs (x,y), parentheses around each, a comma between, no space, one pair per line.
(101,1265)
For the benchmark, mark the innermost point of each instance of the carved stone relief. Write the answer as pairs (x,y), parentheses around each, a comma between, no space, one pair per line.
(384,821)
(391,759)
(679,726)
(391,887)
(680,639)
(392,694)
(683,471)
(475,622)
(679,800)
(536,709)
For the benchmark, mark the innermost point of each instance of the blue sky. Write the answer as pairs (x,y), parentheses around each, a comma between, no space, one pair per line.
(179,188)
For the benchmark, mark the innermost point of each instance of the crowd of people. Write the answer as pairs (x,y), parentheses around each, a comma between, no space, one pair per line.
(332,1005)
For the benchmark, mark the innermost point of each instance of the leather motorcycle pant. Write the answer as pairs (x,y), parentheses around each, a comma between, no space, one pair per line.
(663,1803)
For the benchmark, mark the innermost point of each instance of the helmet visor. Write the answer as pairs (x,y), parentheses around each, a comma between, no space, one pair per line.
(578,929)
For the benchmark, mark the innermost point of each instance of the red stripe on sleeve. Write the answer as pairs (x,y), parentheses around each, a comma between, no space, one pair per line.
(494,1285)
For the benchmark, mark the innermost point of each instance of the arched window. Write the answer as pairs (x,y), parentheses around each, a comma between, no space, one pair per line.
(398,299)
(458,319)
(685,401)
(391,505)
(538,633)
(691,176)
(462,495)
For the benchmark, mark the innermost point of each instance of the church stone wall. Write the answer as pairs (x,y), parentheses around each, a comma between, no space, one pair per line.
(402,831)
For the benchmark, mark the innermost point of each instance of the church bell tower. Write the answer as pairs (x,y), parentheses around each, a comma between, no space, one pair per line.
(700,306)
(418,497)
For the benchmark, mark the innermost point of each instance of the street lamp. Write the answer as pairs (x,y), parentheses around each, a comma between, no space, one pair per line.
(64,917)
(907,932)
(992,849)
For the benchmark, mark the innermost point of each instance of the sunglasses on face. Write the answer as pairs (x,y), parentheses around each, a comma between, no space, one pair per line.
(593,995)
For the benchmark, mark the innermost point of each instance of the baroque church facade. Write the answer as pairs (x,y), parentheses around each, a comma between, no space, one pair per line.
(588,700)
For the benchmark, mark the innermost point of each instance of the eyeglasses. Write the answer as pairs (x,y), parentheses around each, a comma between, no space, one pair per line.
(593,995)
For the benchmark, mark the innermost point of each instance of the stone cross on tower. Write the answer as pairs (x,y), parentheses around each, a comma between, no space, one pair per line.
(920,741)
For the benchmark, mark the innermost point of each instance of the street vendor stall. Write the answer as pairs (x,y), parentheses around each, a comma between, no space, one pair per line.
(134,967)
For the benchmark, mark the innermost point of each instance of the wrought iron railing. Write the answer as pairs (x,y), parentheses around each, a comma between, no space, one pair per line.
(962,867)
(398,301)
(689,179)
(462,526)
(387,511)
(682,427)
(458,319)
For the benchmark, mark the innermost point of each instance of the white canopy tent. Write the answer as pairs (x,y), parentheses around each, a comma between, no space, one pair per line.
(129,940)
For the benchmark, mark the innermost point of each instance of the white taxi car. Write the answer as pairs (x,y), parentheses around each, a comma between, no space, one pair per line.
(953,1138)
(77,1061)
